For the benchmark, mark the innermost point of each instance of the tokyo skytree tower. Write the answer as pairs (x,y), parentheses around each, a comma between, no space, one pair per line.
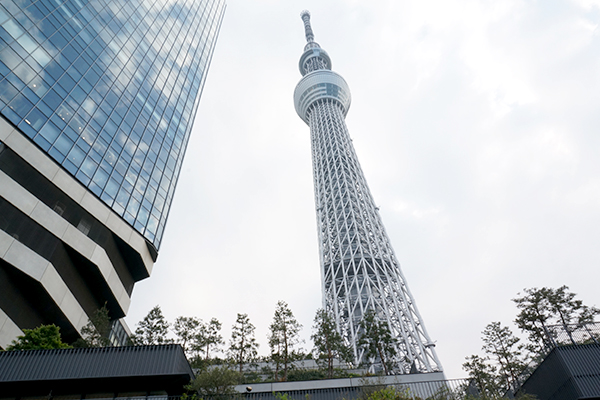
(359,271)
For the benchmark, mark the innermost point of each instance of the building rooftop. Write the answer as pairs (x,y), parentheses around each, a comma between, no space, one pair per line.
(94,370)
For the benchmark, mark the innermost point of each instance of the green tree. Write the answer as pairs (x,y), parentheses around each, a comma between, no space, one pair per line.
(153,329)
(388,393)
(377,342)
(328,342)
(97,331)
(541,308)
(283,337)
(500,344)
(41,338)
(242,346)
(216,383)
(483,374)
(186,330)
(208,336)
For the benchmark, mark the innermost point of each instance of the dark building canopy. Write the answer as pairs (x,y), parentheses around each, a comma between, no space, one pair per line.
(145,369)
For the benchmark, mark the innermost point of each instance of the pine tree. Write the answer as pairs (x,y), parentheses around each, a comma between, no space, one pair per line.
(484,375)
(208,337)
(377,342)
(542,308)
(186,330)
(500,344)
(153,329)
(328,342)
(242,346)
(96,332)
(284,336)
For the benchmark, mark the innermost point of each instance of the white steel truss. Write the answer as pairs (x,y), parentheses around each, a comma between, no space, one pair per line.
(359,270)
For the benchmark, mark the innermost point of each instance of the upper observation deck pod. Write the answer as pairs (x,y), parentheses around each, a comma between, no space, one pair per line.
(321,85)
(319,82)
(314,57)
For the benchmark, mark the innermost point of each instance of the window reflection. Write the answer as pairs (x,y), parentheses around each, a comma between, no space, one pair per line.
(105,94)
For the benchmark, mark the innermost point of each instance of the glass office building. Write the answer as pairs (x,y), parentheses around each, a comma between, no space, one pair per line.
(109,90)
(100,94)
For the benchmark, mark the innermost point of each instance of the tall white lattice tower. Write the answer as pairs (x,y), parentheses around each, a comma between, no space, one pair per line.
(359,271)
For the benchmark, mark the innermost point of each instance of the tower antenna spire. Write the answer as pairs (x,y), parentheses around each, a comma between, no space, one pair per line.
(310,36)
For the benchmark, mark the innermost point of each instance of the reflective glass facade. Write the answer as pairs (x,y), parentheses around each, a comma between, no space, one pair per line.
(109,89)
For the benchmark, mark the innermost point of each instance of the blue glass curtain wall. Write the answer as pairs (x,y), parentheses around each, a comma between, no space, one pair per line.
(109,89)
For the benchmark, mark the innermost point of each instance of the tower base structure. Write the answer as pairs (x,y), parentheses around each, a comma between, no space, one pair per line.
(63,253)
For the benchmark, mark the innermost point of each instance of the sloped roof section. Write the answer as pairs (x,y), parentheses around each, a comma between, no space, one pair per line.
(94,370)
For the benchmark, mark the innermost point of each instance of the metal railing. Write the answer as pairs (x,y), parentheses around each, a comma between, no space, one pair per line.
(572,334)
(454,389)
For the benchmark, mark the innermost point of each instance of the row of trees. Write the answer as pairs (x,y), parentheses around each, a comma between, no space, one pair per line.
(202,341)
(506,356)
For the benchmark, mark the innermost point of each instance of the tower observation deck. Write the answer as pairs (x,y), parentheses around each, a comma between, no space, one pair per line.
(359,270)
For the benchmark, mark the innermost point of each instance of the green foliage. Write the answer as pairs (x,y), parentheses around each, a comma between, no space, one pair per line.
(328,342)
(504,348)
(283,337)
(484,375)
(43,337)
(198,362)
(505,355)
(96,332)
(499,370)
(153,329)
(282,396)
(251,377)
(302,374)
(388,393)
(216,383)
(186,330)
(377,342)
(540,308)
(208,336)
(242,346)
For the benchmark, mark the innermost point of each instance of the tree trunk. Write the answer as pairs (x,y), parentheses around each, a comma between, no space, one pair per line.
(382,359)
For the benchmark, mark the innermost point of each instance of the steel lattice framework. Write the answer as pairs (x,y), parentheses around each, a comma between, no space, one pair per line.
(359,270)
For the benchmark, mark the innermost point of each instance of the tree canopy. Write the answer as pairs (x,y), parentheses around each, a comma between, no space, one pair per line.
(43,337)
(216,383)
(186,329)
(209,337)
(506,357)
(153,329)
(541,308)
(377,342)
(328,342)
(97,331)
(283,338)
(243,347)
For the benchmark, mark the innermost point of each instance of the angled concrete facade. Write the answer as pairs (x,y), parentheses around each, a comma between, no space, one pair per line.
(63,253)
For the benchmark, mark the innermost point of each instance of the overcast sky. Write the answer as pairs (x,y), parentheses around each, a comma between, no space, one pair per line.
(476,123)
